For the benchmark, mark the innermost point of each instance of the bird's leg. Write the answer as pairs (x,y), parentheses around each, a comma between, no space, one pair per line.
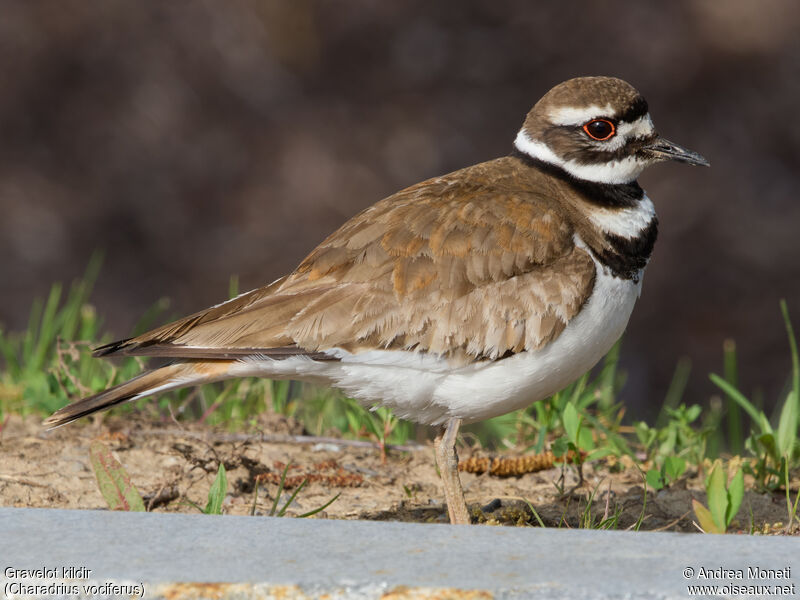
(447,461)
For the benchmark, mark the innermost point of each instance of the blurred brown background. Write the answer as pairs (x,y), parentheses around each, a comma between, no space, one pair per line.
(196,140)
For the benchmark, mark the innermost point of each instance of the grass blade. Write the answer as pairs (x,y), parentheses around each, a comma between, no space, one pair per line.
(793,348)
(738,397)
(717,496)
(217,492)
(47,330)
(790,413)
(677,387)
(571,422)
(787,426)
(286,506)
(735,495)
(281,483)
(233,286)
(704,517)
(734,413)
(31,333)
(321,508)
(113,480)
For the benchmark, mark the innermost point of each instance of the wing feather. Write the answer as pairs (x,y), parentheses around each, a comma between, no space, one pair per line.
(457,265)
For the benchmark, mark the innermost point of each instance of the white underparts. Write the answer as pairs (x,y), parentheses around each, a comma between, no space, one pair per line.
(618,171)
(428,389)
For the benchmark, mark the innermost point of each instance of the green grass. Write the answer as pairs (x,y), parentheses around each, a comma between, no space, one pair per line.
(724,500)
(49,364)
(776,448)
(279,511)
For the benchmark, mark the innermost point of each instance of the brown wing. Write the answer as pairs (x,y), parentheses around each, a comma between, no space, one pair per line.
(459,265)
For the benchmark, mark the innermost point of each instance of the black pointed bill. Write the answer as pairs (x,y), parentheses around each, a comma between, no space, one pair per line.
(662,149)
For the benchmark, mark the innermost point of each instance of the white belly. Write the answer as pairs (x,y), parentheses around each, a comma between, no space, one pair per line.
(426,389)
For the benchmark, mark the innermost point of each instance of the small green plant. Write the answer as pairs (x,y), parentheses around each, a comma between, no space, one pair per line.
(584,419)
(577,439)
(217,492)
(791,508)
(776,449)
(113,480)
(609,520)
(588,413)
(279,512)
(724,500)
(378,424)
(678,438)
(670,471)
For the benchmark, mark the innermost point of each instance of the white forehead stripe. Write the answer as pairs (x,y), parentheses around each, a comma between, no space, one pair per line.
(619,171)
(569,115)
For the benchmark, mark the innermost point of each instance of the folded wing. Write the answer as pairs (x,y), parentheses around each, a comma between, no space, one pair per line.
(454,265)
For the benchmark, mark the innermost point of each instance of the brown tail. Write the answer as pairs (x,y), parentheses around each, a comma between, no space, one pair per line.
(172,376)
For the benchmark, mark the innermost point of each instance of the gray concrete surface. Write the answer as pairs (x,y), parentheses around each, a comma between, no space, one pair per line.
(197,556)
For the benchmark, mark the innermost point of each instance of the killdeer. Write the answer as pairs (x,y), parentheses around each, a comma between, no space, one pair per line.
(460,298)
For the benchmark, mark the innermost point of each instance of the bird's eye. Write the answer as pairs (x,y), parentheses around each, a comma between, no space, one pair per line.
(600,129)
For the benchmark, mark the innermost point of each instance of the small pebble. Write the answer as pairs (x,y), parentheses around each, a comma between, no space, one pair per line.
(326,447)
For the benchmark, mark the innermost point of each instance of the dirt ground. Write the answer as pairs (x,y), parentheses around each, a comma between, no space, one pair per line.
(174,466)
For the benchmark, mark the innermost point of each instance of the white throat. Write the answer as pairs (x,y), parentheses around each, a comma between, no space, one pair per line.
(624,170)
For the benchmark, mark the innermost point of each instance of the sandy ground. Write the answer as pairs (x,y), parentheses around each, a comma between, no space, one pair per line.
(174,466)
